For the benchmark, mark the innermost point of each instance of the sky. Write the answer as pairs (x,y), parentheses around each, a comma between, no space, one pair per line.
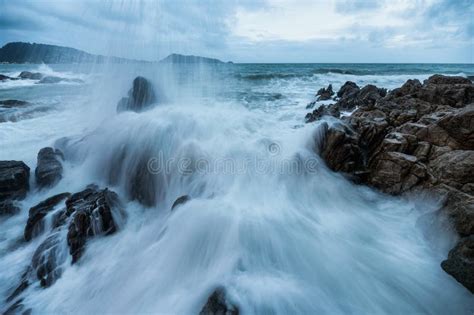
(350,31)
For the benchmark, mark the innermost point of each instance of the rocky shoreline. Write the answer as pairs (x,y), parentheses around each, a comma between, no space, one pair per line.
(416,138)
(419,137)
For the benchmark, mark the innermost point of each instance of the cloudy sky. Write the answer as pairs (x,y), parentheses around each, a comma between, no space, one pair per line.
(251,30)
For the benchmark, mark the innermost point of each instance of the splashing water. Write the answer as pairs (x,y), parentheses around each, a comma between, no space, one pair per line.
(266,218)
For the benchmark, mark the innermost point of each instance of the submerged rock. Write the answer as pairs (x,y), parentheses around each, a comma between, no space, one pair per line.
(12,103)
(50,80)
(49,168)
(47,260)
(217,304)
(179,201)
(30,75)
(140,97)
(323,110)
(4,77)
(460,262)
(35,224)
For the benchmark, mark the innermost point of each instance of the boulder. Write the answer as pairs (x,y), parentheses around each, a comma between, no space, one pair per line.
(91,212)
(4,77)
(49,168)
(30,75)
(35,224)
(454,168)
(217,304)
(460,262)
(325,93)
(14,180)
(48,258)
(8,207)
(140,97)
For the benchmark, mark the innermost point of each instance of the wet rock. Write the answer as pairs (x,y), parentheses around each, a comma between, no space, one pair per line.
(458,207)
(325,93)
(340,149)
(91,212)
(140,97)
(454,168)
(179,201)
(35,224)
(323,110)
(443,79)
(460,262)
(4,77)
(30,75)
(348,96)
(12,103)
(8,207)
(14,180)
(49,168)
(48,258)
(217,304)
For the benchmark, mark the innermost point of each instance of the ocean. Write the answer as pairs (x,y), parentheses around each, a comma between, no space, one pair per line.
(267,219)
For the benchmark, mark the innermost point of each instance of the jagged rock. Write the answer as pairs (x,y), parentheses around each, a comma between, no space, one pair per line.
(217,304)
(47,260)
(12,103)
(14,180)
(347,96)
(460,262)
(325,93)
(179,201)
(30,75)
(8,207)
(140,97)
(460,127)
(323,110)
(35,224)
(91,212)
(49,168)
(347,89)
(339,148)
(454,168)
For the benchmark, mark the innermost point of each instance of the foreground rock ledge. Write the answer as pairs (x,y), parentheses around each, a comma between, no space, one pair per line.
(419,137)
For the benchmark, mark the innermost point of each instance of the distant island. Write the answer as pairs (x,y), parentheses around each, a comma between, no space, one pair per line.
(20,52)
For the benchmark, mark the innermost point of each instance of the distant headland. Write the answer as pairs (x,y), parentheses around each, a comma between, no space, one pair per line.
(21,52)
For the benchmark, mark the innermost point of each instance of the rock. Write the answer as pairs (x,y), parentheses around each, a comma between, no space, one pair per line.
(8,207)
(35,224)
(454,168)
(460,127)
(12,103)
(49,168)
(458,207)
(140,97)
(14,180)
(218,305)
(408,88)
(347,89)
(325,94)
(460,263)
(323,110)
(91,211)
(340,149)
(4,77)
(179,201)
(348,96)
(47,260)
(443,79)
(50,80)
(30,75)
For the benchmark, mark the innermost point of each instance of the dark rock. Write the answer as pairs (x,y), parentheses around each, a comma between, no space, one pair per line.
(340,149)
(48,258)
(325,93)
(460,262)
(4,77)
(12,103)
(217,304)
(49,168)
(8,207)
(443,79)
(140,97)
(454,168)
(323,110)
(347,89)
(35,224)
(180,200)
(91,212)
(30,75)
(14,180)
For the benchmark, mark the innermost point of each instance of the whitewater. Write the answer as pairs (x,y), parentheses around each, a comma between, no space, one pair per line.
(267,219)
